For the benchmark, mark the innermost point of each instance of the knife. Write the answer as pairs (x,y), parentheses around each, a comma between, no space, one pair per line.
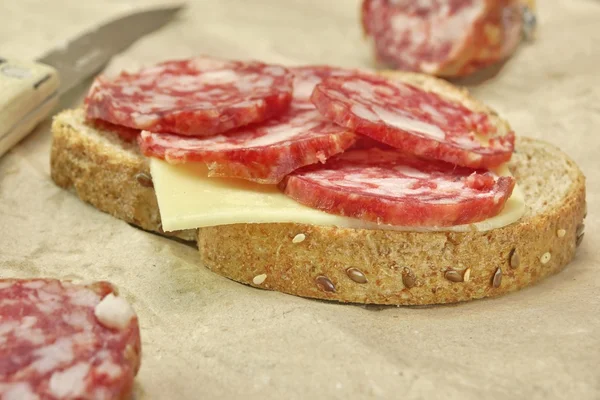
(29,90)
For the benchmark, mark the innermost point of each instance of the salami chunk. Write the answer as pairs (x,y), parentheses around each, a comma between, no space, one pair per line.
(414,120)
(262,153)
(59,340)
(388,187)
(443,37)
(196,97)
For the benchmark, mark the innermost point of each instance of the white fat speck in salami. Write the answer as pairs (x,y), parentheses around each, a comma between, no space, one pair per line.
(262,153)
(195,97)
(70,382)
(18,391)
(61,351)
(442,37)
(413,120)
(307,77)
(114,312)
(388,187)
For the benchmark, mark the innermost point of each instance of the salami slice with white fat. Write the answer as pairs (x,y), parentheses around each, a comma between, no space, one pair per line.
(443,37)
(414,120)
(389,187)
(307,77)
(262,153)
(60,340)
(196,97)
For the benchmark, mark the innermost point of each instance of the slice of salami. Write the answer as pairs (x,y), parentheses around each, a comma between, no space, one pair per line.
(389,187)
(366,143)
(196,97)
(262,153)
(59,340)
(443,37)
(307,77)
(414,120)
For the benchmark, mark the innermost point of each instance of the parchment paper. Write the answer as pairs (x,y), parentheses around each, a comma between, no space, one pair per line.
(207,337)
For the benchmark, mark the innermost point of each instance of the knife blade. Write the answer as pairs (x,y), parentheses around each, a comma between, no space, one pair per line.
(87,54)
(29,91)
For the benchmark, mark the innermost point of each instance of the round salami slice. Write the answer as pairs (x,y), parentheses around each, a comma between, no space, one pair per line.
(307,77)
(414,120)
(59,340)
(443,37)
(389,187)
(262,153)
(196,97)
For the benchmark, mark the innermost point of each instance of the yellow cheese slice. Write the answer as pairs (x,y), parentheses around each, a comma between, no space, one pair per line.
(188,199)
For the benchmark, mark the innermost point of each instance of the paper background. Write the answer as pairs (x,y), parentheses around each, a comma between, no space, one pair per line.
(207,337)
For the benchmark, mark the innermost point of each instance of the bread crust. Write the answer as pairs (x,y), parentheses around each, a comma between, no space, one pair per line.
(402,268)
(103,170)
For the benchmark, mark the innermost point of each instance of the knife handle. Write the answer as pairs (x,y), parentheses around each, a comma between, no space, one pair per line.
(28,94)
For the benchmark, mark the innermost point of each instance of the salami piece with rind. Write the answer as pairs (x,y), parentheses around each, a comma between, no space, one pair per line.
(196,97)
(262,153)
(414,120)
(60,340)
(443,37)
(389,187)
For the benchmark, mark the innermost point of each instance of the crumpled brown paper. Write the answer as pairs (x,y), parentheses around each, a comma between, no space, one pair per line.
(207,337)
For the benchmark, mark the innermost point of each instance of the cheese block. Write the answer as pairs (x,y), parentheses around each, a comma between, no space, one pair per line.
(188,199)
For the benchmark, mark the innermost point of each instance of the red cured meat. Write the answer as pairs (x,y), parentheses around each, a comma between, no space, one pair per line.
(443,37)
(52,346)
(495,36)
(388,187)
(262,153)
(307,77)
(413,120)
(196,97)
(365,143)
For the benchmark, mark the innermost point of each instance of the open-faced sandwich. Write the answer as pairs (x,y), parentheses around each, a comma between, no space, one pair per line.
(323,182)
